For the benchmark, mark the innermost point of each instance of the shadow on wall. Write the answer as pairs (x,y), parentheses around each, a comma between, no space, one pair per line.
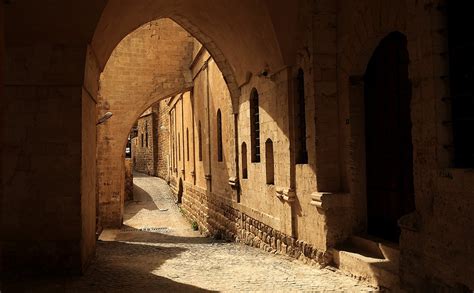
(118,266)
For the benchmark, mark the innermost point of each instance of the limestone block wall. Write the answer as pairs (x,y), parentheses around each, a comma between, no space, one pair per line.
(274,124)
(47,138)
(431,236)
(143,146)
(42,151)
(162,142)
(334,47)
(258,215)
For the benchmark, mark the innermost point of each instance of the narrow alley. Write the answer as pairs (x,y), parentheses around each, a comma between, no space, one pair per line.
(310,145)
(158,251)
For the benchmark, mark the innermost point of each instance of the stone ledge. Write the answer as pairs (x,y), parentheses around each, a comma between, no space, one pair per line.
(285,194)
(329,200)
(234,182)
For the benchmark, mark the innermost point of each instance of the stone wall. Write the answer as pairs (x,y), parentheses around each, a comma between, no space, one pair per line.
(48,125)
(321,204)
(162,132)
(144,144)
(227,220)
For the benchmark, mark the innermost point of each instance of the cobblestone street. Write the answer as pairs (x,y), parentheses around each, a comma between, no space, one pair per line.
(157,251)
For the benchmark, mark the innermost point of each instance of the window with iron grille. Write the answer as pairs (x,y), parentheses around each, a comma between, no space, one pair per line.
(254,127)
(244,161)
(300,121)
(199,141)
(219,136)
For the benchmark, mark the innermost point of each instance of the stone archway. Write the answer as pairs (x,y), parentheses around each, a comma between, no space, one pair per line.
(69,82)
(225,43)
(150,64)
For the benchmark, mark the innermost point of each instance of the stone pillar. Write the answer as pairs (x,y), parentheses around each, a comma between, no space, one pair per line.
(48,159)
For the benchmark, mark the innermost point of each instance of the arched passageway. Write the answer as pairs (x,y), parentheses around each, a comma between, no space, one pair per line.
(161,60)
(150,64)
(389,150)
(48,129)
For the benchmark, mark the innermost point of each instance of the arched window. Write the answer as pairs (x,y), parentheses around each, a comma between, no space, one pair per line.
(179,147)
(244,161)
(219,136)
(146,133)
(300,121)
(254,127)
(187,144)
(269,162)
(199,141)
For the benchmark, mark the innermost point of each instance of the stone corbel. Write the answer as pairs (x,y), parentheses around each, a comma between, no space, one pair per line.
(208,177)
(286,194)
(410,222)
(234,182)
(182,171)
(327,200)
(193,174)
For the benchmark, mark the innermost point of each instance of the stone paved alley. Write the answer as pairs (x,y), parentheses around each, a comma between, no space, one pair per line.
(157,251)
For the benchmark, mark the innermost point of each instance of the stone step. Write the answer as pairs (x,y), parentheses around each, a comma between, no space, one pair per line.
(370,259)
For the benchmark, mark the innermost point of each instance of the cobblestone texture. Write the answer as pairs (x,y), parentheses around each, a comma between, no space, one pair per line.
(157,251)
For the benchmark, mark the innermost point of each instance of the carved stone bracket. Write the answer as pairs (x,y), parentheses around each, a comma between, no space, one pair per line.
(234,182)
(327,200)
(285,194)
(410,222)
(208,177)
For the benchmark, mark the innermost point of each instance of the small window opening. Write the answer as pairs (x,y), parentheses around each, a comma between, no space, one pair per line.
(269,162)
(254,127)
(219,136)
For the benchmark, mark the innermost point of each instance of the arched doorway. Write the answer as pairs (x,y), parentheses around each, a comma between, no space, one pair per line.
(389,150)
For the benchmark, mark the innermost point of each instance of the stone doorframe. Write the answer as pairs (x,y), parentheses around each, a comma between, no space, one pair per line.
(357,157)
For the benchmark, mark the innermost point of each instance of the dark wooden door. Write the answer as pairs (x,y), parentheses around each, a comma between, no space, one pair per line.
(389,148)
